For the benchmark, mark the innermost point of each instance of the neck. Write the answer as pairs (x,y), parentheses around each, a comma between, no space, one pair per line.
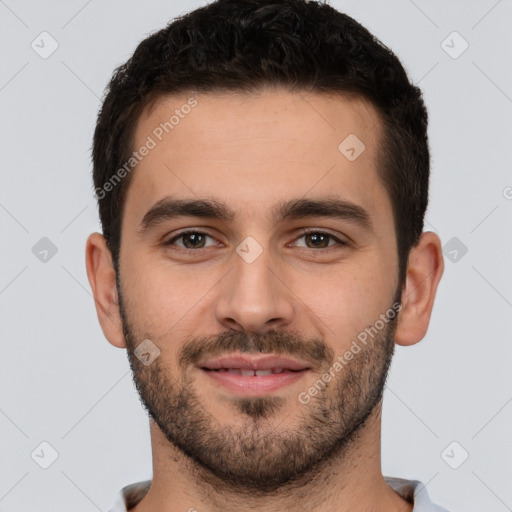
(346,482)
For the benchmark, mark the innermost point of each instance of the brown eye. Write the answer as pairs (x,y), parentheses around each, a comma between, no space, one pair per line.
(319,240)
(191,240)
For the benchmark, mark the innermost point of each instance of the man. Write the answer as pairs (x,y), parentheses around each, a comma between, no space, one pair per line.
(261,169)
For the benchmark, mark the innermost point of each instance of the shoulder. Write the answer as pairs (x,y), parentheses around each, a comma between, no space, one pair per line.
(414,492)
(130,495)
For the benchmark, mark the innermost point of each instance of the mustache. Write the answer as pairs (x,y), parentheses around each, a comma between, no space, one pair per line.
(271,342)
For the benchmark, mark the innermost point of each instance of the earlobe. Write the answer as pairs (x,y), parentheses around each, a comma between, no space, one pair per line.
(101,275)
(424,270)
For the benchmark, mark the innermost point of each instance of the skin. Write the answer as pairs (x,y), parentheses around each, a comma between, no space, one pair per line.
(252,151)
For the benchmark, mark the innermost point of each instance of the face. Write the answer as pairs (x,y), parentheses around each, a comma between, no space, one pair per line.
(247,231)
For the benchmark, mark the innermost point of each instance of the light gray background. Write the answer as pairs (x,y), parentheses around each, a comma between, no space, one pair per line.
(63,383)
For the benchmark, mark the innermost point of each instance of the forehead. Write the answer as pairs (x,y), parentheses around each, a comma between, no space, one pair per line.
(249,149)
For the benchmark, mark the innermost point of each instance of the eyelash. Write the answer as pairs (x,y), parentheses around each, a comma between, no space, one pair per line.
(302,234)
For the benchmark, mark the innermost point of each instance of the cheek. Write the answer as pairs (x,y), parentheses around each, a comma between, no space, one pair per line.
(348,299)
(163,298)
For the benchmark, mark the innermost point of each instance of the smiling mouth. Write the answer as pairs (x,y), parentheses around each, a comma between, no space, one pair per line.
(250,373)
(251,383)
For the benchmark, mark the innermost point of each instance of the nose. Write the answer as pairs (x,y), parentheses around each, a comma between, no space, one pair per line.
(254,296)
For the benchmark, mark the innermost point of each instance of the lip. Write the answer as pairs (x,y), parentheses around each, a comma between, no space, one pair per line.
(260,362)
(254,385)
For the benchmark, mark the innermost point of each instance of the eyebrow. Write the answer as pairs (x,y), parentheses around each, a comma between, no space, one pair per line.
(170,208)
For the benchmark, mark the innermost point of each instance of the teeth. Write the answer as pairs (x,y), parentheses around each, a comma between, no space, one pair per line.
(263,372)
(250,373)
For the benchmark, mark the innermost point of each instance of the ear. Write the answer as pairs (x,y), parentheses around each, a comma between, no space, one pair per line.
(101,275)
(424,270)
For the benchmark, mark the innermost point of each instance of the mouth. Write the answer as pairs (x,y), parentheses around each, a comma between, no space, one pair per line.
(250,373)
(252,376)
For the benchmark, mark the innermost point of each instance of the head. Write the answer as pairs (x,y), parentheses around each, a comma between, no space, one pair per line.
(301,46)
(260,118)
